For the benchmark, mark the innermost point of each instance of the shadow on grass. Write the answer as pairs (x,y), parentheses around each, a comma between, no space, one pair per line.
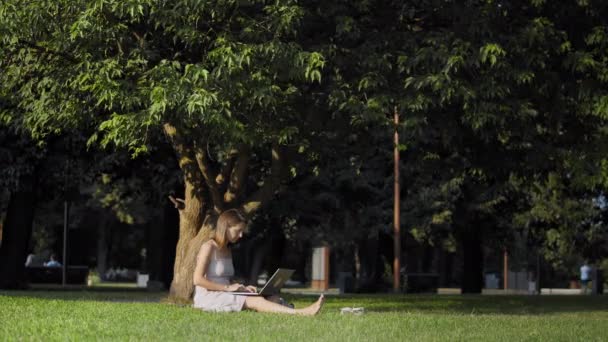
(103,295)
(439,304)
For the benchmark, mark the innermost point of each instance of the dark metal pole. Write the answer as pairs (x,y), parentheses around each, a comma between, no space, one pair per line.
(505,270)
(397,211)
(66,208)
(65,242)
(538,273)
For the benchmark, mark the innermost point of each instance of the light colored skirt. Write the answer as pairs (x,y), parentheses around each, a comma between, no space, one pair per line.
(217,301)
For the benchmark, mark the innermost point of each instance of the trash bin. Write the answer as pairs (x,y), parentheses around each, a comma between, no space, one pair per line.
(142,279)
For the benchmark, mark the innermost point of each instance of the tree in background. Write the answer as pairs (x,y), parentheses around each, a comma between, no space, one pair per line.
(495,96)
(512,94)
(20,159)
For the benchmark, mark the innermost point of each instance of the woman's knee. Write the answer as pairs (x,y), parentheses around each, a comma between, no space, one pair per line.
(253,302)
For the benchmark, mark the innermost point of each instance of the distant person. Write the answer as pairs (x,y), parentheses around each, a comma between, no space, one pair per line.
(214,268)
(52,262)
(29,261)
(585,277)
(122,273)
(110,274)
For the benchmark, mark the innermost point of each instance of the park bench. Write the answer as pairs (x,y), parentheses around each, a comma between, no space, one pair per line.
(53,275)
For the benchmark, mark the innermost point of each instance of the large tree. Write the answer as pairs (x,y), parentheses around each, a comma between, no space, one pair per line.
(219,79)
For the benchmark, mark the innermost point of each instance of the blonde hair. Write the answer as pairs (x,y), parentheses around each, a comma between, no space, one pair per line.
(227,219)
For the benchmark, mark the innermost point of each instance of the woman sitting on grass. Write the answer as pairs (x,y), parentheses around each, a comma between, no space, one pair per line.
(214,269)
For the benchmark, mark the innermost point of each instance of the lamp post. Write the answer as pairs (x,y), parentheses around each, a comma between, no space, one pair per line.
(396,209)
(66,208)
(505,270)
(65,242)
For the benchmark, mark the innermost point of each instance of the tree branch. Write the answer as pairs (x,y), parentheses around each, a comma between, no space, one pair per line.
(221,178)
(271,183)
(209,175)
(194,198)
(34,46)
(179,203)
(238,175)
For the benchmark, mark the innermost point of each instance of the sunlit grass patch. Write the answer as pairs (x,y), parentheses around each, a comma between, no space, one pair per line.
(78,315)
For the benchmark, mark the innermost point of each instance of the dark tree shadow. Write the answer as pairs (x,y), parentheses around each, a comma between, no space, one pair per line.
(102,295)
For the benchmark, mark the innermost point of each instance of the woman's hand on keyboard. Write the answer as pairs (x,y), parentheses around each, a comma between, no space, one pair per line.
(236,288)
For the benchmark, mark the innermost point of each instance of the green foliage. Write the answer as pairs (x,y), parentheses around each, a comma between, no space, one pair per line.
(116,196)
(570,225)
(225,70)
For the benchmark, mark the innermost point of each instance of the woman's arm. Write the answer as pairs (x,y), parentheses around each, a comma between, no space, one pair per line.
(200,271)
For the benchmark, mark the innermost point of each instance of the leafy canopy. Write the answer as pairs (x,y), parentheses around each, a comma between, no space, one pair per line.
(226,71)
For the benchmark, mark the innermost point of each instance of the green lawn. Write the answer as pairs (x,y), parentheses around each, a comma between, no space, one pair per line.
(83,315)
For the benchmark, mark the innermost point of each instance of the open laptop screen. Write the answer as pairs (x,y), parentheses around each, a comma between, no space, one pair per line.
(273,285)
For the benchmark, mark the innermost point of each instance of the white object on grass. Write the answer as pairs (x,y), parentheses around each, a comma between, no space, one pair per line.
(354,311)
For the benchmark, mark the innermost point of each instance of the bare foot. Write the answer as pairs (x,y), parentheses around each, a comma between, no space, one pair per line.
(314,308)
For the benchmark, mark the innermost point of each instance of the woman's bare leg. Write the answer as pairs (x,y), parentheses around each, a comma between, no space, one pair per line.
(314,308)
(274,299)
(262,305)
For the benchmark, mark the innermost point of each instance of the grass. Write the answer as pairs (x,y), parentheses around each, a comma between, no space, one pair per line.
(131,315)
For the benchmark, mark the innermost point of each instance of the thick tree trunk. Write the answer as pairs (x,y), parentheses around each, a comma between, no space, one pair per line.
(190,223)
(369,257)
(259,254)
(267,252)
(191,213)
(472,273)
(16,236)
(445,268)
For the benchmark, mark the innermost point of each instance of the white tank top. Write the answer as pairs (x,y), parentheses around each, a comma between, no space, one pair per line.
(220,270)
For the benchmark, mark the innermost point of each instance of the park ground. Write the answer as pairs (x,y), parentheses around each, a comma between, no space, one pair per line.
(133,315)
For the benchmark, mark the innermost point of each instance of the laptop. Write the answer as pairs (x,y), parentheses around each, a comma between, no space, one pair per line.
(273,285)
